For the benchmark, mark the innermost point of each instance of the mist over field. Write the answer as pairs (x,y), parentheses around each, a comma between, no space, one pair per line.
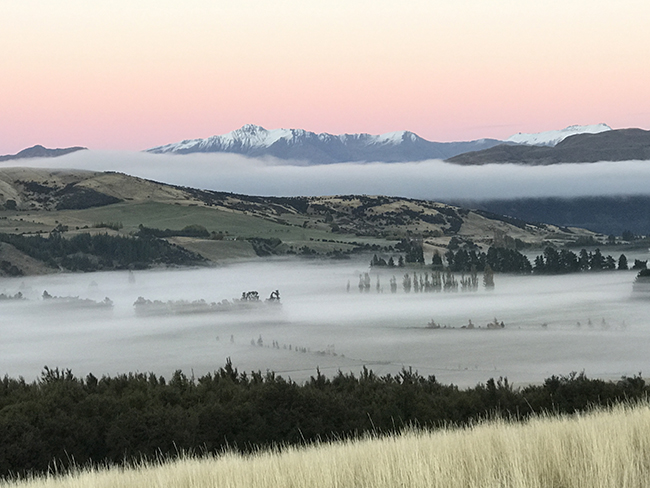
(592,325)
(435,180)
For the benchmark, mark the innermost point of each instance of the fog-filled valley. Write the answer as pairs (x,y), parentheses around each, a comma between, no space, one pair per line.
(230,230)
(552,324)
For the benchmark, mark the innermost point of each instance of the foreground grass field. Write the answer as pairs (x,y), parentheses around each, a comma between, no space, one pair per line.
(597,450)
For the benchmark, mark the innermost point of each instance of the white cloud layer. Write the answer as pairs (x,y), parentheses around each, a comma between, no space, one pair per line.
(434,180)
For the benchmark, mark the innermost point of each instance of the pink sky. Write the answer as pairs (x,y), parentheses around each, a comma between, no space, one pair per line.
(132,75)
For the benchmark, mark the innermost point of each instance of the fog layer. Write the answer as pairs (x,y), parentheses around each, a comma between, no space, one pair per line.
(434,179)
(592,324)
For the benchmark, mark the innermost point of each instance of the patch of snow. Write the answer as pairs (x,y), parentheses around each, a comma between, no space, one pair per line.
(553,137)
(390,137)
(396,138)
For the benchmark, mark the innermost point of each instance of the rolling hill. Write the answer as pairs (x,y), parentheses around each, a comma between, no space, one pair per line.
(38,201)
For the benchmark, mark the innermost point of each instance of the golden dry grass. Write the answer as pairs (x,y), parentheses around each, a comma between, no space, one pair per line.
(602,449)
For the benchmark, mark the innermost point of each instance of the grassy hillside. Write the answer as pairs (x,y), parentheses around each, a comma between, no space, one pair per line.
(37,201)
(606,449)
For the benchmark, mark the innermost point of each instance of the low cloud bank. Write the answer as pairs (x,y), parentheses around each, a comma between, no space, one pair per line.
(434,180)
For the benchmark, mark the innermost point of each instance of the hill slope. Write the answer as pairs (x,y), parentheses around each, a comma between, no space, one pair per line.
(613,145)
(37,201)
(604,449)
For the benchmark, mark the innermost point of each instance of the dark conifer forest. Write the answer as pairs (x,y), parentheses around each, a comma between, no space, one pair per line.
(67,420)
(86,252)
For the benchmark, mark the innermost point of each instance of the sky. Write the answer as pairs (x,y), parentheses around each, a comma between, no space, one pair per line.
(125,75)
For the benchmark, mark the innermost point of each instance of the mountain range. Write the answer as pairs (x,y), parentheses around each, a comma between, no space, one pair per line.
(573,144)
(39,151)
(313,148)
(299,144)
(322,148)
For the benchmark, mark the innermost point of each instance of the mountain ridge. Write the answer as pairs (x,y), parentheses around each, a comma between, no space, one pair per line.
(39,151)
(612,145)
(554,137)
(324,148)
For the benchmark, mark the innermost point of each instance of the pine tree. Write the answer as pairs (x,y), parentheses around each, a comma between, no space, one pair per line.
(552,260)
(436,261)
(597,261)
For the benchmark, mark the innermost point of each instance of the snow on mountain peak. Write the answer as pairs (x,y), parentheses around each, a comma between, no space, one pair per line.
(395,137)
(251,128)
(254,136)
(553,137)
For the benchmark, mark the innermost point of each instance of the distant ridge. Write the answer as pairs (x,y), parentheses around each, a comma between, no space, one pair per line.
(39,151)
(603,214)
(298,144)
(611,145)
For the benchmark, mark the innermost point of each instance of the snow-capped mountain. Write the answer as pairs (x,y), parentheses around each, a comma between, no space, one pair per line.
(553,137)
(298,144)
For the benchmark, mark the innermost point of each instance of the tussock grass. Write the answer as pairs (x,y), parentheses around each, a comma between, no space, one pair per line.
(601,449)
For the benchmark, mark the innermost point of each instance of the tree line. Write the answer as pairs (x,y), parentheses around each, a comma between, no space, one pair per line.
(193,230)
(86,252)
(137,416)
(498,259)
(505,260)
(552,261)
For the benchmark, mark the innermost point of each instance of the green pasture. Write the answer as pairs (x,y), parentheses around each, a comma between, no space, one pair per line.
(234,226)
